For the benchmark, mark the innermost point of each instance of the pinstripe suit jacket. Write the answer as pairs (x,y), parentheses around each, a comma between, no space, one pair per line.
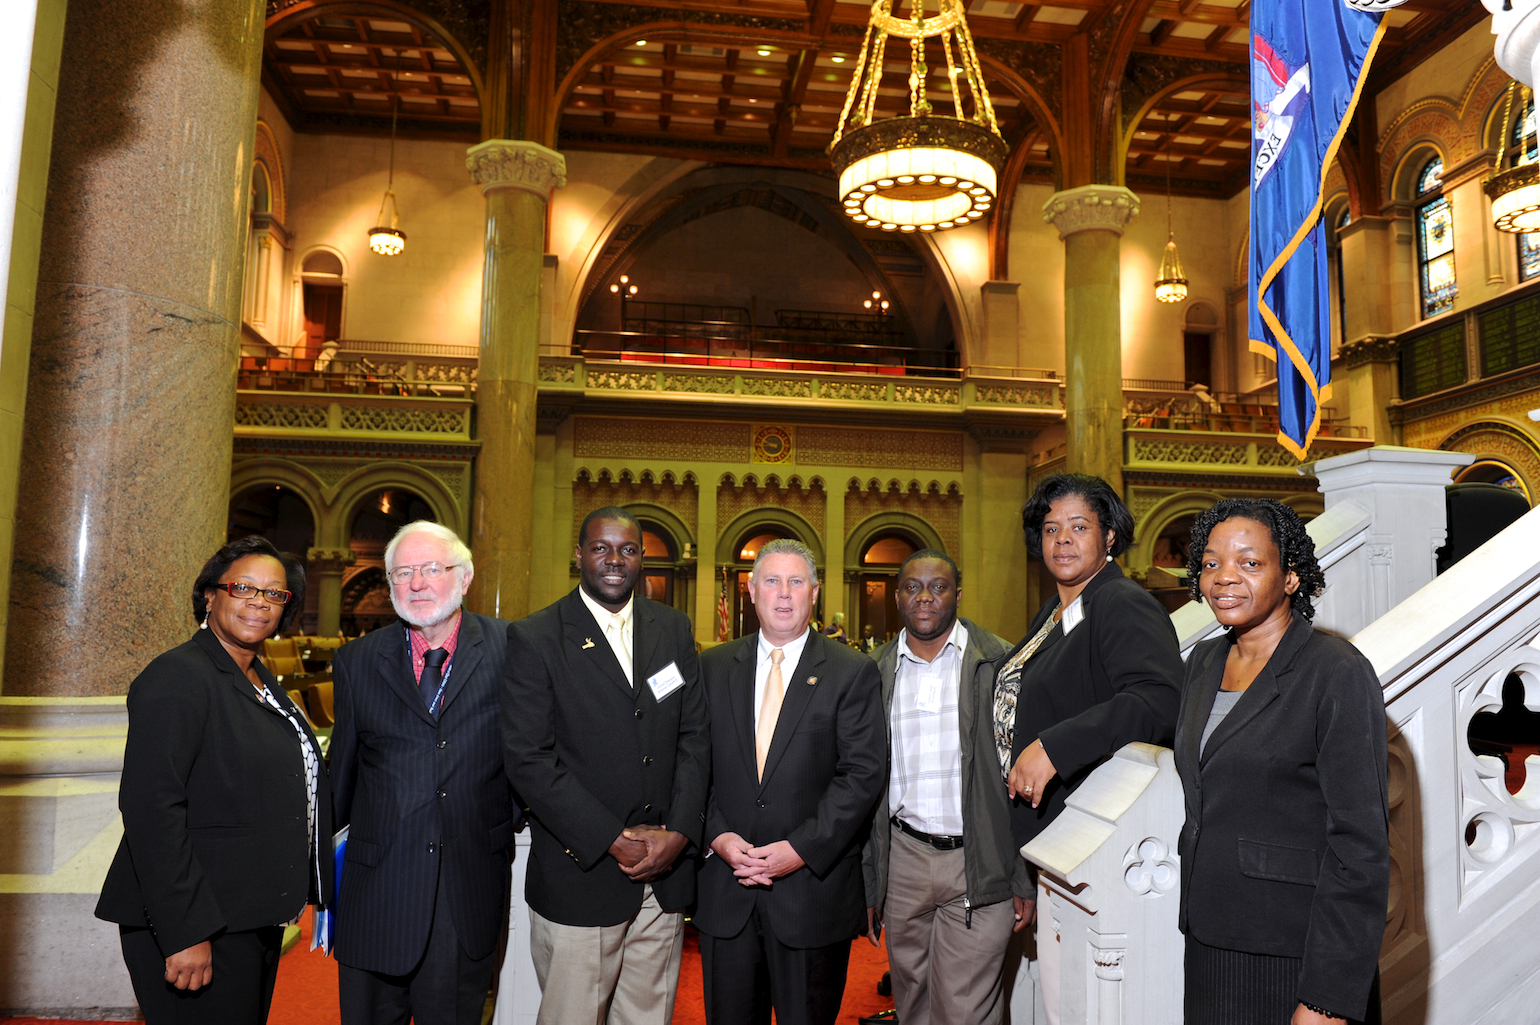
(421,796)
(825,770)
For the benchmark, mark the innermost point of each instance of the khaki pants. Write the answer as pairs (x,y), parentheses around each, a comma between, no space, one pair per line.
(624,974)
(944,971)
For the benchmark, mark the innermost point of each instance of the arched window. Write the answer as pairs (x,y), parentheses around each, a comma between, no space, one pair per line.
(1435,241)
(1522,149)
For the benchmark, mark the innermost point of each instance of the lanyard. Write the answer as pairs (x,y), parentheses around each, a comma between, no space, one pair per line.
(443,684)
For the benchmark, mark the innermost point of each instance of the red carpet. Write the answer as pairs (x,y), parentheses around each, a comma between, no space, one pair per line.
(307,986)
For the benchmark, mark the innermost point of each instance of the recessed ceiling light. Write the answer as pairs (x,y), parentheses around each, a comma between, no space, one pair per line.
(641,42)
(764,53)
(837,59)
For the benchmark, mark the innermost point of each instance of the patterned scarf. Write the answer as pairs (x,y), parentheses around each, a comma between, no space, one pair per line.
(1008,687)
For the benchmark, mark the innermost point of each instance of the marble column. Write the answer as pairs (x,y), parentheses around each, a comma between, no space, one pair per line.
(708,578)
(1090,220)
(517,178)
(127,434)
(834,589)
(326,568)
(125,455)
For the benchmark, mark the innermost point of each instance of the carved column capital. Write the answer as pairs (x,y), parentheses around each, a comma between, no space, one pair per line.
(516,164)
(1091,207)
(330,560)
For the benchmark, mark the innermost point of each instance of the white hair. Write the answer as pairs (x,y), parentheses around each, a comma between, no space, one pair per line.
(790,546)
(458,552)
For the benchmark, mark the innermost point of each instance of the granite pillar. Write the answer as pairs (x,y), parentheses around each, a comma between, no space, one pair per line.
(517,178)
(124,463)
(127,435)
(1090,220)
(326,566)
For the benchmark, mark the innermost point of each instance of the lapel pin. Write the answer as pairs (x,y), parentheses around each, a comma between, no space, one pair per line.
(812,680)
(588,642)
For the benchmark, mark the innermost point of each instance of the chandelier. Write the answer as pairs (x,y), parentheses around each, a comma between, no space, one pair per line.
(922,171)
(1515,191)
(387,239)
(1171,286)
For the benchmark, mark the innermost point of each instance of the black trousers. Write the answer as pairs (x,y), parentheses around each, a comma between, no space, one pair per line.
(446,987)
(1232,987)
(743,977)
(245,968)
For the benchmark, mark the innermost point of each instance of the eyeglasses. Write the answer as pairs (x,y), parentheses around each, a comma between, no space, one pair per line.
(236,589)
(430,571)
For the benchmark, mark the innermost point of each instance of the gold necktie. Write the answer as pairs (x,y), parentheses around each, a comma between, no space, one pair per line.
(769,710)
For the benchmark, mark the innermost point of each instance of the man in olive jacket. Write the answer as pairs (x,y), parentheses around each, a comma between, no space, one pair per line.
(942,871)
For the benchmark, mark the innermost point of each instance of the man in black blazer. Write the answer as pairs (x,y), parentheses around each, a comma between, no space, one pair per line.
(606,737)
(799,758)
(417,775)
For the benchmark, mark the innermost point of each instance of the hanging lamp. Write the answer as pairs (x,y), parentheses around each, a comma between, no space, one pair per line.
(921,171)
(390,240)
(1171,286)
(1515,191)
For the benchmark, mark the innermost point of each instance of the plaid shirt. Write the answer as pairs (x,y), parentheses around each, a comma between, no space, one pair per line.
(420,649)
(925,785)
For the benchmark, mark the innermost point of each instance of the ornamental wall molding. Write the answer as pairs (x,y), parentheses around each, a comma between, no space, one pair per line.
(1091,208)
(1368,350)
(516,164)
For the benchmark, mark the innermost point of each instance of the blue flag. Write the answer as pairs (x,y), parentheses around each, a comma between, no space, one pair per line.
(1306,73)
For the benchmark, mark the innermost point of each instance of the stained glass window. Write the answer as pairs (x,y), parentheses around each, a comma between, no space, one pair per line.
(1435,242)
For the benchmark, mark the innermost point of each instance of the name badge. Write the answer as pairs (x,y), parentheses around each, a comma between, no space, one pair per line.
(929,698)
(1073,616)
(665,681)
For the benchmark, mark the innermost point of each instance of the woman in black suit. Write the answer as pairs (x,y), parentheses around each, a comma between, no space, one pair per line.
(1099,667)
(1281,747)
(226,809)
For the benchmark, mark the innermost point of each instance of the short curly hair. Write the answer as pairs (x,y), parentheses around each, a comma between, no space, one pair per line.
(1296,548)
(1111,513)
(252,544)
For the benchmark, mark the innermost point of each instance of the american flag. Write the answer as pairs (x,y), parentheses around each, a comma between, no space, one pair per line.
(724,609)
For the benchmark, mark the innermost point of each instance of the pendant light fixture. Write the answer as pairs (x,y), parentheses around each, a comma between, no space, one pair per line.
(390,240)
(922,171)
(1515,191)
(1171,286)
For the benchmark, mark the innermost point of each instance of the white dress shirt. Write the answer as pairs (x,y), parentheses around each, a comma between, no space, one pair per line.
(793,655)
(925,783)
(617,630)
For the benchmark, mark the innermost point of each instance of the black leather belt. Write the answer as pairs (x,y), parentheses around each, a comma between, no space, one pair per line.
(940,843)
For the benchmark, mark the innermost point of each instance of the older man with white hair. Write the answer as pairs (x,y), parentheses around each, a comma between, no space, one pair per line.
(417,776)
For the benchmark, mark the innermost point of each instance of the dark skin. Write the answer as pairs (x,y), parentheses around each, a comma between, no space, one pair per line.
(610,564)
(240,625)
(1250,590)
(927,597)
(1075,549)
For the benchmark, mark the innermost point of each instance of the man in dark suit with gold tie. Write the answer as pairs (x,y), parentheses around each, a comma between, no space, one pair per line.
(799,758)
(605,733)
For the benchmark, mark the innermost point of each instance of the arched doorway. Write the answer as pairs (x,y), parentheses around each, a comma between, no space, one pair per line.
(281,515)
(880,560)
(376,518)
(660,558)
(1494,471)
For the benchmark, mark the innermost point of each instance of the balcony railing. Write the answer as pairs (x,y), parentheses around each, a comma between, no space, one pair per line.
(352,374)
(763,353)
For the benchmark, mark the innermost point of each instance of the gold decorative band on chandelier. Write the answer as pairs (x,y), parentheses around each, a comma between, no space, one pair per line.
(918,173)
(1515,197)
(924,171)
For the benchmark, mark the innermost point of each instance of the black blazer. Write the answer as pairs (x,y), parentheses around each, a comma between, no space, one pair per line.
(214,804)
(826,769)
(1286,847)
(421,796)
(1115,679)
(592,755)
